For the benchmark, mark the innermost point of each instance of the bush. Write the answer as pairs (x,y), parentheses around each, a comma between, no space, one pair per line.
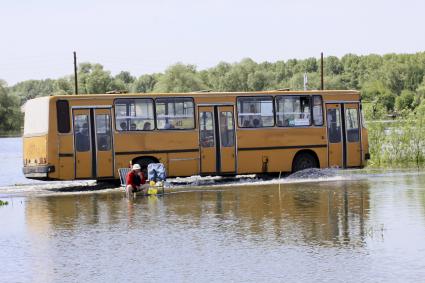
(398,143)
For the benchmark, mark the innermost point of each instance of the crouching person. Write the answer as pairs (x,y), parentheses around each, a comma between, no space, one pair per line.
(135,180)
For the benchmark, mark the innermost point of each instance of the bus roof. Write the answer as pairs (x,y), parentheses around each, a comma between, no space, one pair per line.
(214,93)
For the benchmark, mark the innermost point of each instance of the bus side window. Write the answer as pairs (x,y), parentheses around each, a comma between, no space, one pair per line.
(317,110)
(293,111)
(175,113)
(62,115)
(134,114)
(255,112)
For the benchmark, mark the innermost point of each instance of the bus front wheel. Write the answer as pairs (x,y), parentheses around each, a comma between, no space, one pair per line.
(303,161)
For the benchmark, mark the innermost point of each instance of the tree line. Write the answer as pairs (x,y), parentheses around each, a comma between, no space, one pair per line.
(390,84)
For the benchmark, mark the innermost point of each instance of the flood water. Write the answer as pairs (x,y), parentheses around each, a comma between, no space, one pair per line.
(348,226)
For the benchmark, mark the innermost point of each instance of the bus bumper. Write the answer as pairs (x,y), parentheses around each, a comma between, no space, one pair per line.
(37,172)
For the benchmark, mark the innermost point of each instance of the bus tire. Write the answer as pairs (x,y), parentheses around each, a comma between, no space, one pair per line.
(304,160)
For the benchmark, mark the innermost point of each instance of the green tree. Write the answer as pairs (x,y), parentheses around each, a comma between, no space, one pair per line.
(382,79)
(236,79)
(310,65)
(420,91)
(352,70)
(92,78)
(122,82)
(369,66)
(125,77)
(394,76)
(334,82)
(280,71)
(388,101)
(64,85)
(297,81)
(10,114)
(145,83)
(405,100)
(260,80)
(377,93)
(373,111)
(293,66)
(332,66)
(33,88)
(180,78)
(372,90)
(118,85)
(215,78)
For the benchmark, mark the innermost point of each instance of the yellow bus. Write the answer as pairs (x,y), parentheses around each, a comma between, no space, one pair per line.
(204,133)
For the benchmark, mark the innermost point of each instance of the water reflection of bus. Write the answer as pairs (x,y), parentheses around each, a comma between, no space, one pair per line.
(91,136)
(324,213)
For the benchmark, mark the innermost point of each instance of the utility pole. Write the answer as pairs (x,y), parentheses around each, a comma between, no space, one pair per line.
(75,73)
(322,86)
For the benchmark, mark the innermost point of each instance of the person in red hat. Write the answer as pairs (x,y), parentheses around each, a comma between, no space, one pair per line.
(135,180)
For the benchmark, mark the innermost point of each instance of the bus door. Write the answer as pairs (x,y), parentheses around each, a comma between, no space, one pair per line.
(352,135)
(217,139)
(104,154)
(92,143)
(343,135)
(227,139)
(335,138)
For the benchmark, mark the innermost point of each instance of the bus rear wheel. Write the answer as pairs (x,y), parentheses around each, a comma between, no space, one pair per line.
(303,161)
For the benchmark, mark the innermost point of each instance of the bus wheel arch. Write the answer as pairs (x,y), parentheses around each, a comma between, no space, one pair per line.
(304,159)
(144,161)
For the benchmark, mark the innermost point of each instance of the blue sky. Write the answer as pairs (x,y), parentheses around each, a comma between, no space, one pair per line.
(38,37)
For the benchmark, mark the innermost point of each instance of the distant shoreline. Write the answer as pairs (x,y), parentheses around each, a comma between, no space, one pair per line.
(11,135)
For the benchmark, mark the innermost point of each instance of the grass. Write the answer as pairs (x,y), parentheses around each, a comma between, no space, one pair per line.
(400,143)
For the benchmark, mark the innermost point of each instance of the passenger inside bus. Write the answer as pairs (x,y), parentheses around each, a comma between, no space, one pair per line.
(147,126)
(82,138)
(168,125)
(284,123)
(254,120)
(334,126)
(227,134)
(104,142)
(257,123)
(123,126)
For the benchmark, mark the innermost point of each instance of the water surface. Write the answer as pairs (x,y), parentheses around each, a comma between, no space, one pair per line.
(11,162)
(355,226)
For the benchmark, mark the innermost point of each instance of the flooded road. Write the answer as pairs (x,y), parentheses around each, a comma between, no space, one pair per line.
(350,226)
(11,162)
